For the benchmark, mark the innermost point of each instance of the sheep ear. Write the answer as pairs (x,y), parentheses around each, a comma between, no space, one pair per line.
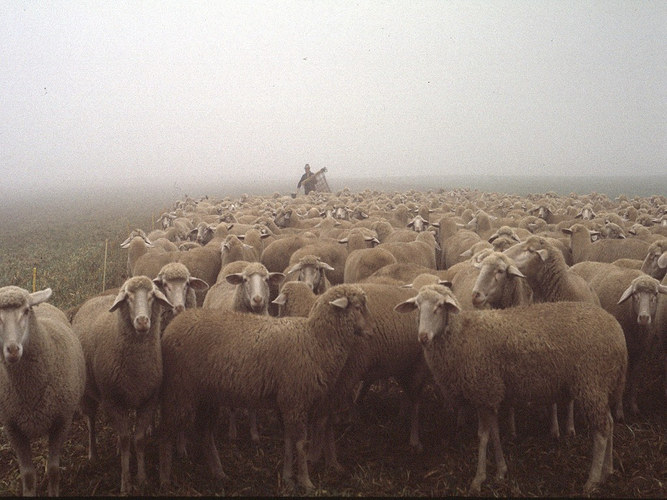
(326,266)
(566,230)
(662,260)
(451,304)
(340,303)
(162,298)
(343,241)
(296,267)
(38,297)
(409,285)
(248,247)
(662,288)
(234,278)
(514,271)
(436,224)
(493,237)
(626,295)
(446,283)
(197,284)
(406,306)
(543,253)
(126,243)
(264,235)
(467,254)
(276,278)
(122,295)
(241,236)
(280,300)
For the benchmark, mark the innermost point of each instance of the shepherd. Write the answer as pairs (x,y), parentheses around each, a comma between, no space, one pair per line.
(307,186)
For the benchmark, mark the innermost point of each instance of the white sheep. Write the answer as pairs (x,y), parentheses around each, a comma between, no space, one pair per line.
(527,353)
(604,250)
(392,351)
(42,377)
(312,271)
(120,337)
(179,286)
(295,299)
(615,286)
(226,358)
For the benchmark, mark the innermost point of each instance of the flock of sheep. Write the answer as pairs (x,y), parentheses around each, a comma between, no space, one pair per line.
(300,305)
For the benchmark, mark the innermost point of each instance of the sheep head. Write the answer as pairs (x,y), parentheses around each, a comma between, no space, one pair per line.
(15,319)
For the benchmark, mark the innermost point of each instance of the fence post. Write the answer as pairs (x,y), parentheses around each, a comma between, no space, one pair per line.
(104,270)
(34,279)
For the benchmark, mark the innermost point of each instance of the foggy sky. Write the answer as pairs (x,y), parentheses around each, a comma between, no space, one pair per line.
(102,92)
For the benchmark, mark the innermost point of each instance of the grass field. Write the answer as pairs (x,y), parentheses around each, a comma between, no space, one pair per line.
(64,239)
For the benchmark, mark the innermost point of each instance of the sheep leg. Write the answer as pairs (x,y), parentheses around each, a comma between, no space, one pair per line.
(232,432)
(21,446)
(288,459)
(501,465)
(317,437)
(512,422)
(144,419)
(554,430)
(330,455)
(569,425)
(166,450)
(608,467)
(415,443)
(254,433)
(119,421)
(600,444)
(483,429)
(89,409)
(300,435)
(57,436)
(208,419)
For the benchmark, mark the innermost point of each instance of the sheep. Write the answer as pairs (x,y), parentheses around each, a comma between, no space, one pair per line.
(332,253)
(226,358)
(202,262)
(527,353)
(551,281)
(418,223)
(277,254)
(392,351)
(363,262)
(234,249)
(295,299)
(402,272)
(548,274)
(42,377)
(604,250)
(500,284)
(312,271)
(120,337)
(203,233)
(246,290)
(417,252)
(175,281)
(615,286)
(137,244)
(655,262)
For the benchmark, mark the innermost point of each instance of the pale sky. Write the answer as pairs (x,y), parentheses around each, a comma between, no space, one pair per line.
(98,92)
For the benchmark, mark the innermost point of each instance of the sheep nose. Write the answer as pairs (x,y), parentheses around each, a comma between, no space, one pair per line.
(478,298)
(179,309)
(142,324)
(644,319)
(13,353)
(423,338)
